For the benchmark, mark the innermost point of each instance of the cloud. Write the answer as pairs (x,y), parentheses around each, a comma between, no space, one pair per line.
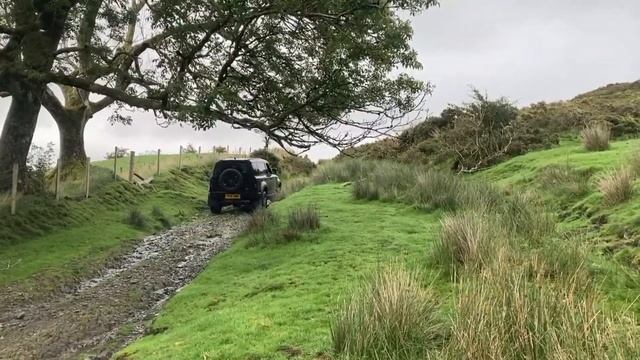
(526,50)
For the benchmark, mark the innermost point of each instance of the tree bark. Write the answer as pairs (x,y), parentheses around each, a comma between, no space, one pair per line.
(71,127)
(17,134)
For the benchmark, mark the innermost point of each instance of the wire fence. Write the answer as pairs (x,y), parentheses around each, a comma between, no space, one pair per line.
(83,182)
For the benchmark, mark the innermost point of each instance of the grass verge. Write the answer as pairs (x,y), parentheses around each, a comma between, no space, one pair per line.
(252,302)
(49,244)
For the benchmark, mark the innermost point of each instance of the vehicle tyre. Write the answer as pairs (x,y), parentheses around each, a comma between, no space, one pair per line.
(230,179)
(216,209)
(261,203)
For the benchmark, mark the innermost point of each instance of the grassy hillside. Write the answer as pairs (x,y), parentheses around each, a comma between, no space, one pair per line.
(267,302)
(146,165)
(48,244)
(575,195)
(544,263)
(537,126)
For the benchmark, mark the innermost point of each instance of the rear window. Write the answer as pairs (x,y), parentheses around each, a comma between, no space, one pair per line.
(242,166)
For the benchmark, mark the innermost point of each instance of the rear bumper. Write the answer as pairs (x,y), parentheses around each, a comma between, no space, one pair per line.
(218,197)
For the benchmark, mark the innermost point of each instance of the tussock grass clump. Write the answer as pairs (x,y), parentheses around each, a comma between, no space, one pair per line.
(560,259)
(468,239)
(523,216)
(596,136)
(390,317)
(435,189)
(617,186)
(137,219)
(343,170)
(443,190)
(159,215)
(387,181)
(633,162)
(291,186)
(564,180)
(262,227)
(261,220)
(505,314)
(304,219)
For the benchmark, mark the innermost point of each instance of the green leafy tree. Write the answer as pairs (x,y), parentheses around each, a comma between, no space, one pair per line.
(300,72)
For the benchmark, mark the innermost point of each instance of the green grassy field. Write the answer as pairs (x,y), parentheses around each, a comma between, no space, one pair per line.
(273,301)
(146,165)
(259,302)
(49,244)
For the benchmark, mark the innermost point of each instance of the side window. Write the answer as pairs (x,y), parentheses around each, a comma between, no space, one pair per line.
(260,168)
(257,168)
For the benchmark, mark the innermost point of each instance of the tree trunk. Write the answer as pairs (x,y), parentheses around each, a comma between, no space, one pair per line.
(71,126)
(17,134)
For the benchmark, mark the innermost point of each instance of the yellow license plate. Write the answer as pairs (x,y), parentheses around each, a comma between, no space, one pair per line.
(232,196)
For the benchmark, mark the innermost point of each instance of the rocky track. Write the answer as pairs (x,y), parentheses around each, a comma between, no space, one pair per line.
(105,313)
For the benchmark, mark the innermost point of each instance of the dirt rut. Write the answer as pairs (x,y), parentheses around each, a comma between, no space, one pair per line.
(104,313)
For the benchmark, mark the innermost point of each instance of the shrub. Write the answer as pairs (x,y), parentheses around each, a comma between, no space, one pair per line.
(482,131)
(564,180)
(137,219)
(304,219)
(616,186)
(389,317)
(296,165)
(595,136)
(505,314)
(39,162)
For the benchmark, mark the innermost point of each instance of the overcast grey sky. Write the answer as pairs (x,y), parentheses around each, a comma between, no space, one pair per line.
(525,50)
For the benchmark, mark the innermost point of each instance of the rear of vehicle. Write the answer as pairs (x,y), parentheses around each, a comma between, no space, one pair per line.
(232,183)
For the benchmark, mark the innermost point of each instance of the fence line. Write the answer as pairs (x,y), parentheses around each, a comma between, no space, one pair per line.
(81,188)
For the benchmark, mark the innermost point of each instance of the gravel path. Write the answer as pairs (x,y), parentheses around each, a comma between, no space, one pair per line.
(104,313)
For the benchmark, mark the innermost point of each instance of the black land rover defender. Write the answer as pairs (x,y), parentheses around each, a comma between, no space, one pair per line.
(246,183)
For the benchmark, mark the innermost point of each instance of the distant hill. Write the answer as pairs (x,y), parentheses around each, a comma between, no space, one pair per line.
(540,125)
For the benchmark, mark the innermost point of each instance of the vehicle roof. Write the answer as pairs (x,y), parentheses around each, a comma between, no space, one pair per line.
(244,159)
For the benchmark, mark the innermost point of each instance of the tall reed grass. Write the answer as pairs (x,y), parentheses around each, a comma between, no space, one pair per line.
(617,186)
(596,136)
(390,317)
(504,313)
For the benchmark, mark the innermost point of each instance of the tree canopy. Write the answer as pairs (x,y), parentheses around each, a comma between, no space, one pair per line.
(301,72)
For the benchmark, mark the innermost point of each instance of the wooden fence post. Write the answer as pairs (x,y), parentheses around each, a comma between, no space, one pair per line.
(14,188)
(115,163)
(132,156)
(180,159)
(58,185)
(199,148)
(158,164)
(88,182)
